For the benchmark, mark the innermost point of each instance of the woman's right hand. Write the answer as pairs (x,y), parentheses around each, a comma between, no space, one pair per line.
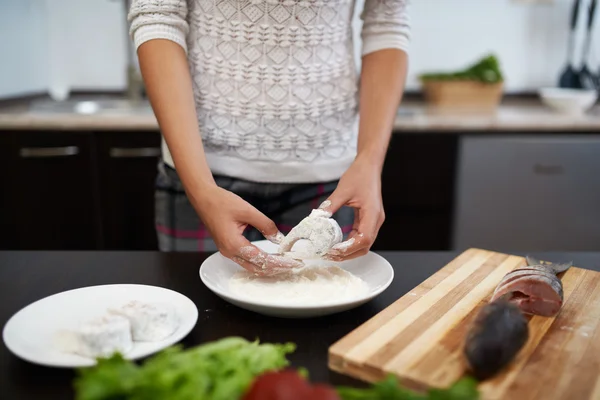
(226,216)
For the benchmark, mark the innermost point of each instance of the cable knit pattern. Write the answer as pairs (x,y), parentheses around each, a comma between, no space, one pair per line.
(274,80)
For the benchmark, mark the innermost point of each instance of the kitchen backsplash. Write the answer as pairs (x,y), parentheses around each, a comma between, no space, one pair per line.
(23,47)
(87,44)
(80,44)
(530,39)
(61,44)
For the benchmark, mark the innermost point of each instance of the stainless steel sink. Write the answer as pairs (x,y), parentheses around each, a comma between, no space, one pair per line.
(91,106)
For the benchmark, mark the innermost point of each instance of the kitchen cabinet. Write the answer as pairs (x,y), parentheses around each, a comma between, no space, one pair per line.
(7,222)
(127,170)
(53,192)
(414,229)
(418,192)
(95,190)
(529,193)
(78,190)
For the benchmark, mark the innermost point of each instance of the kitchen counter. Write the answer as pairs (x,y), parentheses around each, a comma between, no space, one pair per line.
(26,277)
(514,114)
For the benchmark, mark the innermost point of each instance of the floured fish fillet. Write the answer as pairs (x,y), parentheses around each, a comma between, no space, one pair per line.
(535,288)
(150,322)
(101,337)
(498,333)
(319,230)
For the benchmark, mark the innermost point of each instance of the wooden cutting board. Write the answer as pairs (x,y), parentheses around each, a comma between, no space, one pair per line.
(419,338)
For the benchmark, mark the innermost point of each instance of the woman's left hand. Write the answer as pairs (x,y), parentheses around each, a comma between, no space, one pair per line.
(359,188)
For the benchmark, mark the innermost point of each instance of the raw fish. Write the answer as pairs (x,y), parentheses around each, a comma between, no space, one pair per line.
(535,288)
(498,333)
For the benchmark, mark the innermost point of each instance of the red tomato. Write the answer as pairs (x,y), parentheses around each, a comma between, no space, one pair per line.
(323,392)
(284,385)
(288,385)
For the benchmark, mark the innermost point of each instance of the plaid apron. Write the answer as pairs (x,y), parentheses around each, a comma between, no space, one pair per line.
(179,228)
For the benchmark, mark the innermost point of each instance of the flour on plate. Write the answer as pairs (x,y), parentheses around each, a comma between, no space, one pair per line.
(311,285)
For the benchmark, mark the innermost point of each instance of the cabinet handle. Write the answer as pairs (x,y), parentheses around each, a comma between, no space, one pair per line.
(140,152)
(47,152)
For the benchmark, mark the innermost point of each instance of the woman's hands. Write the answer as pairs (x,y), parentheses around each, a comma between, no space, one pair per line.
(226,216)
(359,188)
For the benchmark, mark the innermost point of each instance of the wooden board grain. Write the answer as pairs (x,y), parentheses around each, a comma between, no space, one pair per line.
(419,338)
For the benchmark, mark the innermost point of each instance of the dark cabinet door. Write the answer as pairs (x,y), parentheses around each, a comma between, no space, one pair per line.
(7,221)
(53,193)
(127,169)
(418,192)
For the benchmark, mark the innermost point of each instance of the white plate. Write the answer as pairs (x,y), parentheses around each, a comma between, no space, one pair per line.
(376,271)
(29,333)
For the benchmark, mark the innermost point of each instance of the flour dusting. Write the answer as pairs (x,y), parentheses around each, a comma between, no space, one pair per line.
(318,213)
(318,230)
(325,204)
(343,246)
(310,285)
(276,238)
(267,262)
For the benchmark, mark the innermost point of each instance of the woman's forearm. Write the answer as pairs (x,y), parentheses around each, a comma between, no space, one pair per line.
(168,83)
(383,76)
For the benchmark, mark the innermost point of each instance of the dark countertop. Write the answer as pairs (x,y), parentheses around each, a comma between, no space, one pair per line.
(29,276)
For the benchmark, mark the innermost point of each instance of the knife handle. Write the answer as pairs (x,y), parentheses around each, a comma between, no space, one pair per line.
(575,14)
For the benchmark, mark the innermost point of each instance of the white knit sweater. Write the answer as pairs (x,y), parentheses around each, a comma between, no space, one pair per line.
(275,81)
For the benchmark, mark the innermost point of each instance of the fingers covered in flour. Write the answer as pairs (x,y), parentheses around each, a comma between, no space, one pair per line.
(363,235)
(259,262)
(264,225)
(355,246)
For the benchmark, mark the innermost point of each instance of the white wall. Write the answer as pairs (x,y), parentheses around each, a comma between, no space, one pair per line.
(81,44)
(62,45)
(23,49)
(87,44)
(530,40)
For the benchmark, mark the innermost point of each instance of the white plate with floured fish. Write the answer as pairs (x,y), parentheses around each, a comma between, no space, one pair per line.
(321,288)
(73,328)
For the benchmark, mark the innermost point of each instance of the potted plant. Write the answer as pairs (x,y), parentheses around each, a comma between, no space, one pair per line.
(480,86)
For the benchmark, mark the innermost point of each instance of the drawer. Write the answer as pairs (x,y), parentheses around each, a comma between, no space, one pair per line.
(529,193)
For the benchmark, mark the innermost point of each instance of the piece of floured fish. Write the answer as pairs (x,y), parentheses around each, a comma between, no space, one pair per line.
(150,322)
(535,288)
(318,231)
(498,333)
(100,337)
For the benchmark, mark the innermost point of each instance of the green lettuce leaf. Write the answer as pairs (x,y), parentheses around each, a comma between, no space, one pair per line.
(221,370)
(390,389)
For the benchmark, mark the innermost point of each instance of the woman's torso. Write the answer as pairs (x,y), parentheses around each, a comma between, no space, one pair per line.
(275,81)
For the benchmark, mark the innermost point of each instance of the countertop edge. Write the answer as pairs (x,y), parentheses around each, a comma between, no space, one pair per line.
(413,117)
